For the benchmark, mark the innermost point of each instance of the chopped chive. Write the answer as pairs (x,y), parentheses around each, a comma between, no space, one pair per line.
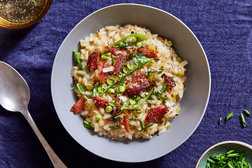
(114,127)
(229,165)
(112,61)
(220,120)
(233,155)
(133,119)
(138,112)
(243,120)
(246,112)
(142,125)
(210,160)
(148,125)
(230,151)
(148,73)
(229,116)
(159,72)
(116,117)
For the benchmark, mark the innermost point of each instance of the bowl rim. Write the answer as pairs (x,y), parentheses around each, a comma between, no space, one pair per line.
(222,143)
(205,57)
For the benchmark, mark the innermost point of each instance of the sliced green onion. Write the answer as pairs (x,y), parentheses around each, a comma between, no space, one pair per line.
(229,116)
(138,112)
(114,127)
(116,117)
(169,43)
(210,160)
(117,91)
(230,151)
(159,72)
(148,73)
(112,61)
(142,125)
(133,119)
(246,112)
(243,120)
(220,120)
(87,124)
(80,88)
(148,126)
(233,155)
(109,54)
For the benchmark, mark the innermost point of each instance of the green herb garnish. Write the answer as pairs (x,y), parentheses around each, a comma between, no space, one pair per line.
(243,120)
(246,112)
(229,116)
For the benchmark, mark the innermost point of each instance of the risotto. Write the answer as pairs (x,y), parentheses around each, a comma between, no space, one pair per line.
(129,82)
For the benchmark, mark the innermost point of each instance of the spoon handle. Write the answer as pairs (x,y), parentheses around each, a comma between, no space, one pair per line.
(57,163)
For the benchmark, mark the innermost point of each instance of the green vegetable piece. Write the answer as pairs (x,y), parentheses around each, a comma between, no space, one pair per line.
(129,65)
(233,155)
(117,91)
(138,112)
(148,126)
(98,117)
(122,88)
(229,116)
(220,120)
(249,166)
(80,88)
(140,102)
(139,38)
(78,60)
(111,90)
(246,112)
(116,117)
(133,119)
(125,70)
(152,61)
(108,109)
(104,56)
(100,89)
(142,125)
(109,54)
(104,85)
(89,87)
(109,81)
(132,102)
(243,120)
(163,89)
(131,40)
(169,43)
(159,72)
(230,151)
(148,73)
(210,160)
(114,127)
(87,124)
(179,59)
(112,62)
(229,165)
(139,44)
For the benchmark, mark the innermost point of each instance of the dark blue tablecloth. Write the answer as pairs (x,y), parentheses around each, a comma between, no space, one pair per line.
(223,28)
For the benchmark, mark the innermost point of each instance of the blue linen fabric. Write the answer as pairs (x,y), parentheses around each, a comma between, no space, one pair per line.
(224,30)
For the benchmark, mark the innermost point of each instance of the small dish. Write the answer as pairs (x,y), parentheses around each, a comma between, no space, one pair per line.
(223,147)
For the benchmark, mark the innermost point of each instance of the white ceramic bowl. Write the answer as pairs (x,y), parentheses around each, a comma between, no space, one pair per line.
(193,104)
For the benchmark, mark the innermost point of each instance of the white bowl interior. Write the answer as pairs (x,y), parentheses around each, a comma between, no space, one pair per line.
(193,104)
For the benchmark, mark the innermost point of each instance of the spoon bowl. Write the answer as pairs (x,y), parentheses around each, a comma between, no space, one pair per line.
(15,97)
(14,91)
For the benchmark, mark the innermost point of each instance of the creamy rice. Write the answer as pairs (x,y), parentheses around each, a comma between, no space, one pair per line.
(167,63)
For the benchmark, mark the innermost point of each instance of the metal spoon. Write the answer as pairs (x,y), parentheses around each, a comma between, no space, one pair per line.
(15,96)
